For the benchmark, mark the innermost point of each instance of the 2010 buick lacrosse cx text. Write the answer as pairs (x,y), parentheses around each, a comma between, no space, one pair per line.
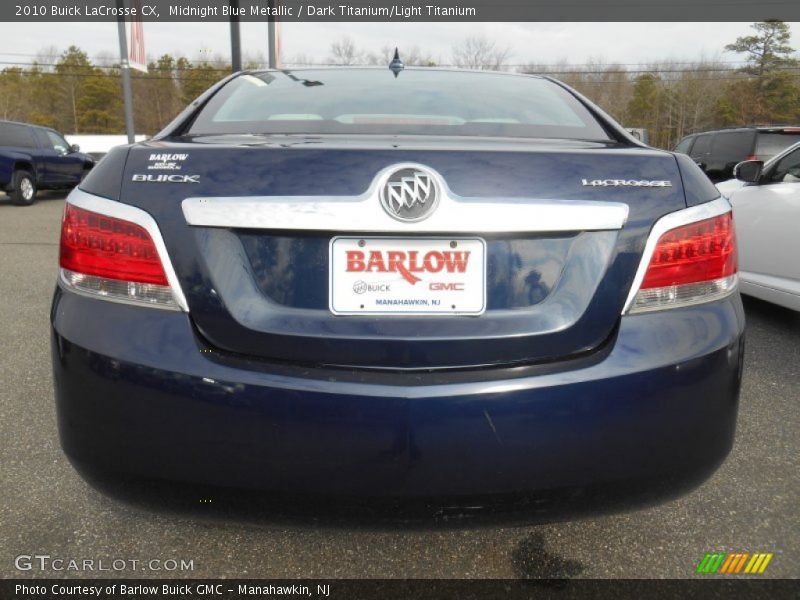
(397,283)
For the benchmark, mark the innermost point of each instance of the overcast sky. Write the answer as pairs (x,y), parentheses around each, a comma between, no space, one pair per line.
(632,43)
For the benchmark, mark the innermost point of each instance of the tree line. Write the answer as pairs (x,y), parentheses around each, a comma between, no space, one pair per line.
(74,94)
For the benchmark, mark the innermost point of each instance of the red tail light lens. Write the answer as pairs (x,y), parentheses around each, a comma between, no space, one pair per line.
(108,247)
(690,264)
(693,253)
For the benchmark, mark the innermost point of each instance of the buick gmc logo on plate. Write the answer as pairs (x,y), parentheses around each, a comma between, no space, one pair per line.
(410,194)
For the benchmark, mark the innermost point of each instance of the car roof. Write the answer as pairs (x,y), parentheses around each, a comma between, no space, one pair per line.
(759,129)
(779,129)
(333,68)
(4,122)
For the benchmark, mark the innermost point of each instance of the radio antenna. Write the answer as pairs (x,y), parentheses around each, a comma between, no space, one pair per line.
(396,65)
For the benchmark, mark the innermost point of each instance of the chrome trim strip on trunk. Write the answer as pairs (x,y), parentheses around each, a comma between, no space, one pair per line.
(364,214)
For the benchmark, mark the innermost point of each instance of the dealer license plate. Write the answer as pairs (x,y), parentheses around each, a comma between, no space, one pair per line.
(407,276)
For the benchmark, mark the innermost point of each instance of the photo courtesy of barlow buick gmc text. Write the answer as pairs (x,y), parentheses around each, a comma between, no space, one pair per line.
(372,301)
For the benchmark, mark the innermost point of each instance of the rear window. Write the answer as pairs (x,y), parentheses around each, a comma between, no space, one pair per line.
(17,136)
(417,102)
(733,146)
(770,144)
(702,145)
(684,145)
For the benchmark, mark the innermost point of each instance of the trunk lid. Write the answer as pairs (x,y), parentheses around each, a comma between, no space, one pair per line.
(257,281)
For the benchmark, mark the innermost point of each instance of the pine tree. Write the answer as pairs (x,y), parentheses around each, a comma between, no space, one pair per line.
(645,104)
(774,89)
(72,68)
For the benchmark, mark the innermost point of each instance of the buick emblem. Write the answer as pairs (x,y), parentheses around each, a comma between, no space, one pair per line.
(409,194)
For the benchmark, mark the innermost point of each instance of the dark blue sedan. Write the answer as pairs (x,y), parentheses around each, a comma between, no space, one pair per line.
(440,283)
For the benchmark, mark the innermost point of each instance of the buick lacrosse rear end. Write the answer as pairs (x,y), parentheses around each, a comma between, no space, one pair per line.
(404,284)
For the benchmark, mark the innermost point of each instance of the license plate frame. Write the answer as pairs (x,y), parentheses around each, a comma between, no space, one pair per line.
(392,291)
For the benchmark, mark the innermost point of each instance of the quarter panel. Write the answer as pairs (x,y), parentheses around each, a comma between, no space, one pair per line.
(767,221)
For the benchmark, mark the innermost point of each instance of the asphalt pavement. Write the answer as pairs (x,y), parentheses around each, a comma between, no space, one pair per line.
(750,504)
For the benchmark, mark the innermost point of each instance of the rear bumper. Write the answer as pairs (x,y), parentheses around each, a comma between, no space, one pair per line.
(135,393)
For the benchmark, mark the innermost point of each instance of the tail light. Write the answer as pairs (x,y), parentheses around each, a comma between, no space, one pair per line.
(114,257)
(690,263)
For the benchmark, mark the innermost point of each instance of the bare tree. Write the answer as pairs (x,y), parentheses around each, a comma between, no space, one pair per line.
(608,85)
(254,60)
(106,59)
(47,57)
(344,51)
(412,56)
(299,60)
(476,52)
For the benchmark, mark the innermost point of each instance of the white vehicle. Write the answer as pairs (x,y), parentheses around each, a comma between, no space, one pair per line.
(766,208)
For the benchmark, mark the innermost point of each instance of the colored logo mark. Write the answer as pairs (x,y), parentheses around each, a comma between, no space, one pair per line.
(733,563)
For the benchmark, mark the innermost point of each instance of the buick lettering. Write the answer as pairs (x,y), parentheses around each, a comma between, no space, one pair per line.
(397,283)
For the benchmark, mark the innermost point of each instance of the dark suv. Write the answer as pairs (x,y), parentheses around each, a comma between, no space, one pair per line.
(717,152)
(34,158)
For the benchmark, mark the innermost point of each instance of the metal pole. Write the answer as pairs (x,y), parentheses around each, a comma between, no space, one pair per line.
(273,59)
(127,88)
(236,38)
